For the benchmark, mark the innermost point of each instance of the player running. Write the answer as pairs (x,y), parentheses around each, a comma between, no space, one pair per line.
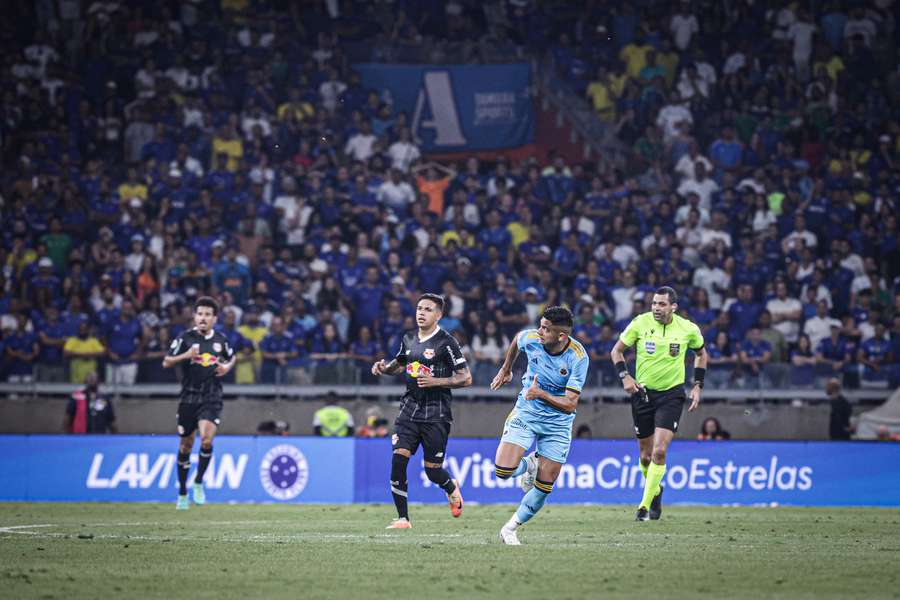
(544,411)
(662,339)
(434,365)
(200,404)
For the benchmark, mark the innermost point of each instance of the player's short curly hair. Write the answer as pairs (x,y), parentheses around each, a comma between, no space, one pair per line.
(207,302)
(559,315)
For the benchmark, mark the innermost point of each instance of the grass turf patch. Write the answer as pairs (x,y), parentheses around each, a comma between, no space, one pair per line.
(278,551)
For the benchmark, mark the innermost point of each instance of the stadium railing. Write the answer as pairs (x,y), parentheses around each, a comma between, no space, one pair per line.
(593,394)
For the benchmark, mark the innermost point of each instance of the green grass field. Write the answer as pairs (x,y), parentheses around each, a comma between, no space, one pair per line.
(148,550)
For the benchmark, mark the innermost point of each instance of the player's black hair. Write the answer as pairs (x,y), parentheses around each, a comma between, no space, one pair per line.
(559,315)
(208,302)
(673,297)
(436,298)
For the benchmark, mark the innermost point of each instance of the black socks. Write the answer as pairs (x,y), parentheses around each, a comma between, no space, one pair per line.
(399,484)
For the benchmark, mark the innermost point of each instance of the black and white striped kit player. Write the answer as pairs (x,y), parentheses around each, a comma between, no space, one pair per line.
(432,365)
(437,355)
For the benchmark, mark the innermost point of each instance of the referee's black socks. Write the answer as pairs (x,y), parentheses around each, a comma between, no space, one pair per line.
(399,484)
(184,465)
(205,457)
(441,478)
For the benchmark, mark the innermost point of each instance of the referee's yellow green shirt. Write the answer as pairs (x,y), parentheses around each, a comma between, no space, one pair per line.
(660,349)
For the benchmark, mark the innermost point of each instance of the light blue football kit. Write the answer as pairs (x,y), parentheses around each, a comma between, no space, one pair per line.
(532,420)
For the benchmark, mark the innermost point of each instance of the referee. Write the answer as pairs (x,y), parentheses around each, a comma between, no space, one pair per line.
(662,340)
(209,357)
(434,365)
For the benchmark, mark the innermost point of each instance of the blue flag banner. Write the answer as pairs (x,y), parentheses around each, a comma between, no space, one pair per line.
(453,108)
(316,470)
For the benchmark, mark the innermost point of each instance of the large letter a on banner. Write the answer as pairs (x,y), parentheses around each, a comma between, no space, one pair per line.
(438,92)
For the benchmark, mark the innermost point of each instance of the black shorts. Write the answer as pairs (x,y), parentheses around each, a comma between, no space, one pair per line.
(657,409)
(190,414)
(432,436)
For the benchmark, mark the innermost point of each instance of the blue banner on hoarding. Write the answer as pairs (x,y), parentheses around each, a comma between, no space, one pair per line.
(722,473)
(282,469)
(454,108)
(142,468)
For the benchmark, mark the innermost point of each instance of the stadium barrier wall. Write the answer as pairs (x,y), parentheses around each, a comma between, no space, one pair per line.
(316,470)
(472,418)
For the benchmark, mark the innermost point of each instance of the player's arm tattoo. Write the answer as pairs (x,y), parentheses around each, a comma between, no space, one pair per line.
(459,379)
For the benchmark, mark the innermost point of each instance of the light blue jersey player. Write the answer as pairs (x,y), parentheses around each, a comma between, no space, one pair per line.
(545,409)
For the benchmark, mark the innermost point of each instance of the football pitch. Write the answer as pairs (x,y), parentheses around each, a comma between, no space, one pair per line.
(326,551)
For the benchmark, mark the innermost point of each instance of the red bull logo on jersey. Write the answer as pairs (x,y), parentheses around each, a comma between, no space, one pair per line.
(416,369)
(206,359)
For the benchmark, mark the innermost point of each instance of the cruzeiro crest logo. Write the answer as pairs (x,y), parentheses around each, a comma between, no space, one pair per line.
(284,472)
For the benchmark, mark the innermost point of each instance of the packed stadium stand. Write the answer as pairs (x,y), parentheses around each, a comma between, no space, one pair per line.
(155,152)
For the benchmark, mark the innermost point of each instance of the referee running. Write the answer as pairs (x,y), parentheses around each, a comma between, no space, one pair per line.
(662,339)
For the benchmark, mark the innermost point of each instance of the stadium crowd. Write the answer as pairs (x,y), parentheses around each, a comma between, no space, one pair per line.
(154,152)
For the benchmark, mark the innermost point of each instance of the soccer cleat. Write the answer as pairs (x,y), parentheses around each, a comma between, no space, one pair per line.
(509,536)
(455,500)
(530,473)
(182,503)
(656,505)
(199,494)
(400,524)
(642,515)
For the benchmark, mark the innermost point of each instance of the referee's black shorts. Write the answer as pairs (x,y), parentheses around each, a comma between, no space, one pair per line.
(657,409)
(431,435)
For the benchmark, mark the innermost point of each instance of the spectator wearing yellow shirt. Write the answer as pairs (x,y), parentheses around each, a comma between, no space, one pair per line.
(228,143)
(668,59)
(21,255)
(828,61)
(132,187)
(82,351)
(635,56)
(604,91)
(520,228)
(295,107)
(254,332)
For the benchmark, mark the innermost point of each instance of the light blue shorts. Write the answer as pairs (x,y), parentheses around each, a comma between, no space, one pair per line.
(553,439)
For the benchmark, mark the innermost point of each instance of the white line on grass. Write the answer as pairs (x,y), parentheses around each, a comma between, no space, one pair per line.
(261,538)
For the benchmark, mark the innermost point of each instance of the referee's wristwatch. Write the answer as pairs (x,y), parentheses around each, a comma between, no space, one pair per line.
(623,374)
(700,383)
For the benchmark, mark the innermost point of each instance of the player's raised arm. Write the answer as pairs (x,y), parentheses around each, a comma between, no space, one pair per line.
(504,375)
